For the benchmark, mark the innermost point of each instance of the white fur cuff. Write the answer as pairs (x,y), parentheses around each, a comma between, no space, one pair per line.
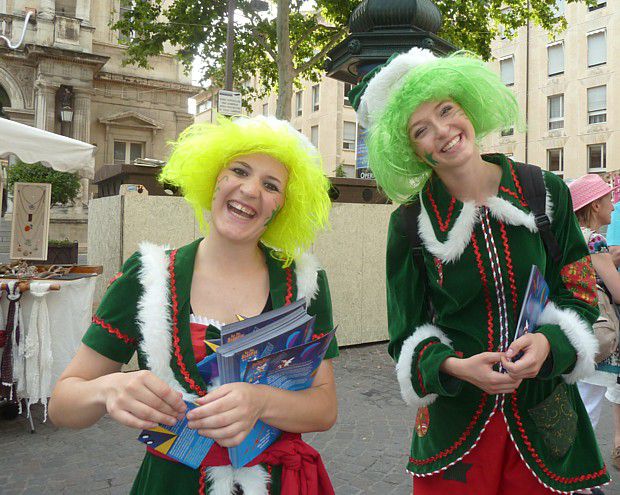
(405,360)
(580,336)
(252,480)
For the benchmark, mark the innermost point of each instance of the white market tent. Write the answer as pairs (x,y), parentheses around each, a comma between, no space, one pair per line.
(32,145)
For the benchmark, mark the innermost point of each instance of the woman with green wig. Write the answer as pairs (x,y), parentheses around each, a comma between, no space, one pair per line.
(262,185)
(496,414)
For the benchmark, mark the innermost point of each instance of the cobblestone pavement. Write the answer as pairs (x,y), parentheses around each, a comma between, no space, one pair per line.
(364,453)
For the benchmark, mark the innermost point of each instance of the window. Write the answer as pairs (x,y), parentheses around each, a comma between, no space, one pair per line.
(597,48)
(555,59)
(66,8)
(508,132)
(347,87)
(127,152)
(597,105)
(265,109)
(505,32)
(204,106)
(299,103)
(599,5)
(315,97)
(126,10)
(556,112)
(348,136)
(314,135)
(597,157)
(555,160)
(507,70)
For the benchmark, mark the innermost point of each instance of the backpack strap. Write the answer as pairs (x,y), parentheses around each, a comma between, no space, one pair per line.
(533,186)
(409,214)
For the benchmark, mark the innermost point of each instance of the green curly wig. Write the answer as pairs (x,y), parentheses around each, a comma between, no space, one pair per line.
(204,149)
(486,101)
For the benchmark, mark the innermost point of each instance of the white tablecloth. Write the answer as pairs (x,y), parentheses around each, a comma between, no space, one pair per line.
(70,312)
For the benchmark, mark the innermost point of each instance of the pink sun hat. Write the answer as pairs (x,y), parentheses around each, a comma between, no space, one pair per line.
(588,188)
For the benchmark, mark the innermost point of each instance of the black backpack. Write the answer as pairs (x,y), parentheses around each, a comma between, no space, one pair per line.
(533,186)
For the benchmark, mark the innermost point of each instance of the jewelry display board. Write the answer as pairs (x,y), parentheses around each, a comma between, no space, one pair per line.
(31,219)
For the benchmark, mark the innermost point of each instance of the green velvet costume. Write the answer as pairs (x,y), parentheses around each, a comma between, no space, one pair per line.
(478,261)
(147,309)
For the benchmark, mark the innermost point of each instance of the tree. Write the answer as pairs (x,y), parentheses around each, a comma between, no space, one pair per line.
(278,51)
(65,185)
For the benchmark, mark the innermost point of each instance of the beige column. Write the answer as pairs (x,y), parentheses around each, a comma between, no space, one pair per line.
(82,11)
(44,106)
(47,9)
(81,127)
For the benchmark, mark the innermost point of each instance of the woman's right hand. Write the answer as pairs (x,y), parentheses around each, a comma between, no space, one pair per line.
(478,370)
(141,400)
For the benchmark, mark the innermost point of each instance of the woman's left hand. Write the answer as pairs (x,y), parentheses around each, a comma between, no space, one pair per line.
(228,413)
(535,348)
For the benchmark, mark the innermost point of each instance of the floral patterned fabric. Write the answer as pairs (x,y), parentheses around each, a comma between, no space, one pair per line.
(597,243)
(580,279)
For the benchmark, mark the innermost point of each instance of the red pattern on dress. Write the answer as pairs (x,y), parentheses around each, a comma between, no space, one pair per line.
(510,266)
(580,279)
(114,331)
(443,226)
(517,183)
(175,330)
(420,354)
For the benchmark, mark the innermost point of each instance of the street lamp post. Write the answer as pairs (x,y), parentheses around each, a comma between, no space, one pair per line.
(380,28)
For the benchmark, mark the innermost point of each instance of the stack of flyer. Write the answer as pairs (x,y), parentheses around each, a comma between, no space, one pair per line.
(276,348)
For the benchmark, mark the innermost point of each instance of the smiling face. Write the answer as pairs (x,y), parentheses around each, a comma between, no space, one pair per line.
(248,194)
(441,134)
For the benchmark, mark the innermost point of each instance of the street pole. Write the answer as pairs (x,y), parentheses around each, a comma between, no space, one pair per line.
(230,44)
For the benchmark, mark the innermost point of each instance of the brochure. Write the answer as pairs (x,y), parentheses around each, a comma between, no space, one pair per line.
(178,441)
(535,300)
(275,348)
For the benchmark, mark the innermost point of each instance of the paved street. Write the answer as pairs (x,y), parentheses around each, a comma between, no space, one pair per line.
(364,452)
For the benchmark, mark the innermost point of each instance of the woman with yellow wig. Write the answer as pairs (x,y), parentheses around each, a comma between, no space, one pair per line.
(263,184)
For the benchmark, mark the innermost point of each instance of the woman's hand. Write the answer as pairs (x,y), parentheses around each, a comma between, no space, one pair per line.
(229,413)
(478,370)
(535,348)
(141,400)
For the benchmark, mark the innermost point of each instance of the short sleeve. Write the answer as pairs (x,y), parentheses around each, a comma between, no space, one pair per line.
(113,332)
(321,307)
(597,243)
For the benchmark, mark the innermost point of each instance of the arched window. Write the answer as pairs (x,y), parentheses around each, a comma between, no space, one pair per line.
(5,101)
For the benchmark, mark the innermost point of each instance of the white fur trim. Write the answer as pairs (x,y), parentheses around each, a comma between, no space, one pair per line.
(307,267)
(580,336)
(458,237)
(387,82)
(506,212)
(253,480)
(405,360)
(154,314)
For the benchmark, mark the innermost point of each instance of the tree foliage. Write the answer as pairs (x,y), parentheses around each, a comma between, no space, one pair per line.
(65,185)
(197,29)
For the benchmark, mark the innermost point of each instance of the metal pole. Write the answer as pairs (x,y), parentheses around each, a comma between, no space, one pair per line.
(230,44)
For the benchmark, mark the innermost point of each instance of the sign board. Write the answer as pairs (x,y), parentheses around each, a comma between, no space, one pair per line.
(31,220)
(229,102)
(361,156)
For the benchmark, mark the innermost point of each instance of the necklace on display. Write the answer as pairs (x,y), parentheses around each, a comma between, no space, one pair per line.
(34,204)
(30,222)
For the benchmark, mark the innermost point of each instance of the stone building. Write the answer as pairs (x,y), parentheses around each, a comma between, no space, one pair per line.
(569,89)
(68,78)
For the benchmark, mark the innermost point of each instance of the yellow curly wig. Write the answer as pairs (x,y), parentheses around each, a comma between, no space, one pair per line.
(204,149)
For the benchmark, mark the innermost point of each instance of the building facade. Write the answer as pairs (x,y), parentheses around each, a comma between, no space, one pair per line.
(320,111)
(568,88)
(72,60)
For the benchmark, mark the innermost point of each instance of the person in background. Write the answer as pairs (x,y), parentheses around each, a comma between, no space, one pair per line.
(263,184)
(478,430)
(612,393)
